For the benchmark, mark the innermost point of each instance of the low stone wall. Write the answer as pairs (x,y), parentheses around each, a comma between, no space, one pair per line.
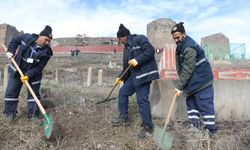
(232,101)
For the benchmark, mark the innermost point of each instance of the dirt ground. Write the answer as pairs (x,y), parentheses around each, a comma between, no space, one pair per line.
(81,124)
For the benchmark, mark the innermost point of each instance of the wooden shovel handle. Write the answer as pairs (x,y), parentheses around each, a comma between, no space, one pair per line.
(170,111)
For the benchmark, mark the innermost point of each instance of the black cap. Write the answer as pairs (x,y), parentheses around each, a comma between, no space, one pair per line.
(123,31)
(47,31)
(178,28)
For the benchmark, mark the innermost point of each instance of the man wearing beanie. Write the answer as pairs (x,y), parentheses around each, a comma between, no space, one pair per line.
(196,80)
(32,56)
(138,55)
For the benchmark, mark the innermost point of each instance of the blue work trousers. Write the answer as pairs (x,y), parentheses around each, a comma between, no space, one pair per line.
(12,93)
(142,93)
(200,109)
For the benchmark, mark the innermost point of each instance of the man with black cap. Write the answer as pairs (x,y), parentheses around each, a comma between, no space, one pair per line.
(196,80)
(139,55)
(32,56)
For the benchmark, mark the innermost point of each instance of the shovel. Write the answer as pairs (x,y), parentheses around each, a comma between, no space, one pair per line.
(109,99)
(48,123)
(162,138)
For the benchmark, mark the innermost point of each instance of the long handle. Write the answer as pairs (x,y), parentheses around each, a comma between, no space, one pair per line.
(27,84)
(170,111)
(107,99)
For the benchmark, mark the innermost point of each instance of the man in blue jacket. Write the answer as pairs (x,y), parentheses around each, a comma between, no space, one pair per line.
(32,56)
(196,80)
(139,54)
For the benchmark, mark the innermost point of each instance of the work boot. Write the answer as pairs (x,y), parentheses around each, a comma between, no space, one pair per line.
(145,132)
(212,135)
(118,121)
(193,129)
(9,118)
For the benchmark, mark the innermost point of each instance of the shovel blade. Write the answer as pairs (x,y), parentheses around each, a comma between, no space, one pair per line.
(47,125)
(162,138)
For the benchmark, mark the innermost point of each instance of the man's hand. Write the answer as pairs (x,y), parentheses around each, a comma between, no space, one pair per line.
(24,78)
(133,62)
(9,55)
(177,91)
(118,81)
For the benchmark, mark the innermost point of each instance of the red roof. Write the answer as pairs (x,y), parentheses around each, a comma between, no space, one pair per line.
(89,49)
(84,49)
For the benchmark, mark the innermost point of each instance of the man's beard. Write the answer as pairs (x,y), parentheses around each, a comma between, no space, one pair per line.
(178,43)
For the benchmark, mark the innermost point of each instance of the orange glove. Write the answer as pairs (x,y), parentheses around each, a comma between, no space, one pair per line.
(133,62)
(24,78)
(118,81)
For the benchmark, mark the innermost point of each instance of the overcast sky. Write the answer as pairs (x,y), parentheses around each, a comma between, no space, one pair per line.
(102,17)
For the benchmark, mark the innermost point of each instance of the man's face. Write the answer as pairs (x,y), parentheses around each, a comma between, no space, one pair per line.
(178,37)
(123,39)
(43,40)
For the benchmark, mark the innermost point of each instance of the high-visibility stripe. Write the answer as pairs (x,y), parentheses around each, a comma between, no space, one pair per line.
(10,99)
(201,61)
(137,47)
(209,116)
(209,122)
(192,117)
(146,74)
(36,82)
(24,44)
(31,100)
(192,111)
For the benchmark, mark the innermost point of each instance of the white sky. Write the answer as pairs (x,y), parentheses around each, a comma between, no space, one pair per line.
(102,17)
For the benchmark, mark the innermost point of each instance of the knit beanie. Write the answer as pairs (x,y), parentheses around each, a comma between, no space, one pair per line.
(47,31)
(178,28)
(123,31)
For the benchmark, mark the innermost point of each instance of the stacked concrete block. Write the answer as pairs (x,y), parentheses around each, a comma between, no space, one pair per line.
(7,32)
(159,32)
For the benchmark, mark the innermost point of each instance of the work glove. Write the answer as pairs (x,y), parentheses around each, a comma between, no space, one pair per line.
(118,81)
(24,78)
(9,55)
(177,91)
(133,62)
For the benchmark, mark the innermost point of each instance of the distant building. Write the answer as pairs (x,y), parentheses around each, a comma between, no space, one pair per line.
(216,46)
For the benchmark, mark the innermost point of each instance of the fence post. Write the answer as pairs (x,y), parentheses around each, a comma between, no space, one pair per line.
(100,78)
(57,74)
(89,80)
(5,76)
